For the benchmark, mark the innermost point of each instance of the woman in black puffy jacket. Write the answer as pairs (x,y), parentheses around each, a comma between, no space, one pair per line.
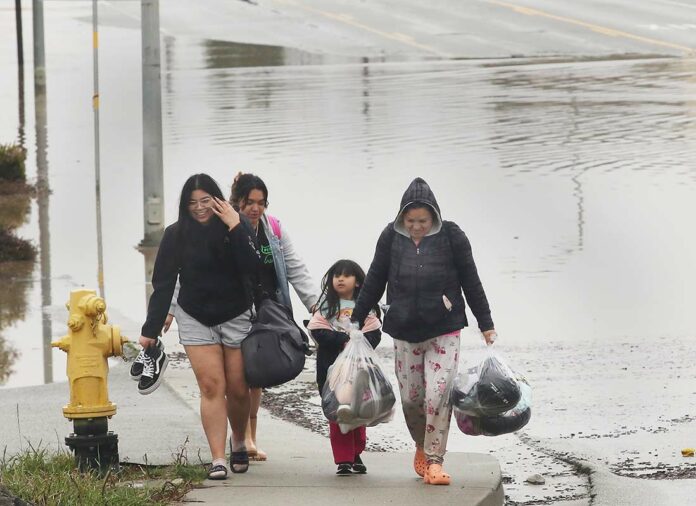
(425,264)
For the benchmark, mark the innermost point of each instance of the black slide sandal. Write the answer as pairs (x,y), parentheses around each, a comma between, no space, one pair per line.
(239,462)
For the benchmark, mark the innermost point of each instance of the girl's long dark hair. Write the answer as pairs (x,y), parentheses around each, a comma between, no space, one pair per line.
(243,185)
(329,299)
(186,222)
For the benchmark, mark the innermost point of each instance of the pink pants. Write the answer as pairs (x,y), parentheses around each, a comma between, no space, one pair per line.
(425,372)
(346,446)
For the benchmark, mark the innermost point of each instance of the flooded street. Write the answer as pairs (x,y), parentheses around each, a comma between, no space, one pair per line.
(573,178)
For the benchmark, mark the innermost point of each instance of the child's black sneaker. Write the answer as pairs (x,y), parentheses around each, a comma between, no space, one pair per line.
(358,466)
(344,469)
(154,365)
(136,369)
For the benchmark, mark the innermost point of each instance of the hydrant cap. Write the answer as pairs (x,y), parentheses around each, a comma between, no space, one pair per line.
(93,305)
(117,341)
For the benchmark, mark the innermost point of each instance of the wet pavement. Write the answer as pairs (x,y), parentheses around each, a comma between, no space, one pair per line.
(570,171)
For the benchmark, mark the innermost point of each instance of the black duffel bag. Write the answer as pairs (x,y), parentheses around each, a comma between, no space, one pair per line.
(274,351)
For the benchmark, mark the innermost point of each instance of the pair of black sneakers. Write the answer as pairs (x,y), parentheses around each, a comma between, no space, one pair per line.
(355,467)
(148,368)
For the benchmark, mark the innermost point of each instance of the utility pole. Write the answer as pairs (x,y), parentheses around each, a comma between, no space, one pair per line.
(153,181)
(38,26)
(20,69)
(20,39)
(97,166)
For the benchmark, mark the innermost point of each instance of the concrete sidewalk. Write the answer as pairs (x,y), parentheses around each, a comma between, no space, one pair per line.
(300,468)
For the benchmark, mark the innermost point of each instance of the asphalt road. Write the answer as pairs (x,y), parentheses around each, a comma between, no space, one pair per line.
(436,28)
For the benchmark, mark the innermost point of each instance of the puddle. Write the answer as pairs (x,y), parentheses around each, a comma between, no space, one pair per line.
(16,280)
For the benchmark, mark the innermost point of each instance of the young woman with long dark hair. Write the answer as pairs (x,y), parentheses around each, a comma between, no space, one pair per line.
(211,250)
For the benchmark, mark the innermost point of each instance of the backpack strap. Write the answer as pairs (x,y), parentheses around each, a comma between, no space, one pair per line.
(275,226)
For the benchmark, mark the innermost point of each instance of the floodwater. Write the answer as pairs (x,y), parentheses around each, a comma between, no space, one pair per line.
(574,181)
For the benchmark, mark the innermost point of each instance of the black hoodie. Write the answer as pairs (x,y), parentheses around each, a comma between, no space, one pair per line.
(417,277)
(213,270)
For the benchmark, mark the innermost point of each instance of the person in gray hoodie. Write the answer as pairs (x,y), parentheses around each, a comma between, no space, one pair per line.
(425,263)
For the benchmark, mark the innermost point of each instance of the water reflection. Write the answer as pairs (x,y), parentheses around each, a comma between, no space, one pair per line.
(561,123)
(20,105)
(221,54)
(43,194)
(367,149)
(16,281)
(8,355)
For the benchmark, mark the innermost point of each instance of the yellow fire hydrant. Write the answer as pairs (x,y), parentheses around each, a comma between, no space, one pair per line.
(89,343)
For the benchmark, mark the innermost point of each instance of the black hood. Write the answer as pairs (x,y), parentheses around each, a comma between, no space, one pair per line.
(418,191)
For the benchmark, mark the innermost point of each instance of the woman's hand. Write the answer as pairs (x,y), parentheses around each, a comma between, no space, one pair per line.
(490,336)
(167,323)
(146,342)
(225,212)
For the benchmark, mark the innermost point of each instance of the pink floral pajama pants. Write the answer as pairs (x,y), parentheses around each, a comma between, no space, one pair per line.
(425,372)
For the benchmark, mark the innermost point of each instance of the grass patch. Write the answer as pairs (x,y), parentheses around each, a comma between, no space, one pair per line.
(41,478)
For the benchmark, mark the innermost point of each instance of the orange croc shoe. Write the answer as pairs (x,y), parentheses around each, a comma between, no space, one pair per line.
(436,476)
(420,464)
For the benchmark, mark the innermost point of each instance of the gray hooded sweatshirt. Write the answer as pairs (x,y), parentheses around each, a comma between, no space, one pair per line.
(417,277)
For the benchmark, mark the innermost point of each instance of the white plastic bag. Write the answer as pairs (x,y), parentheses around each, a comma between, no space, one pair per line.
(356,391)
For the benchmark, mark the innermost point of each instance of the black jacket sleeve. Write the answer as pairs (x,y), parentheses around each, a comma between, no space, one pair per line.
(469,278)
(376,279)
(374,337)
(164,276)
(330,338)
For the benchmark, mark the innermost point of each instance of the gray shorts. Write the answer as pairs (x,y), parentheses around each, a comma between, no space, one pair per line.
(230,333)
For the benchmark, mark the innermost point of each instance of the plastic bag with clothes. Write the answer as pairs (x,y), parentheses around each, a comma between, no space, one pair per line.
(487,389)
(356,391)
(504,423)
